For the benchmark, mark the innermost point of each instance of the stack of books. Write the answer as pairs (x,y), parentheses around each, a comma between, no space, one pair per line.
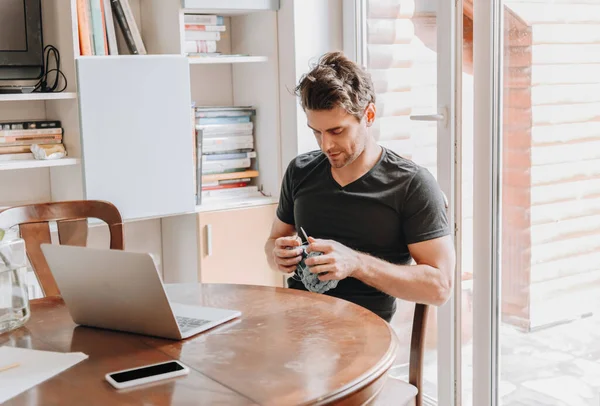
(202,32)
(225,153)
(17,137)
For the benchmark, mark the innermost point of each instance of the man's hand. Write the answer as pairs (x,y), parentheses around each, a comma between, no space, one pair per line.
(287,253)
(337,260)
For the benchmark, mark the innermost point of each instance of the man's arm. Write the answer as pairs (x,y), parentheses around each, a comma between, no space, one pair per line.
(427,282)
(281,258)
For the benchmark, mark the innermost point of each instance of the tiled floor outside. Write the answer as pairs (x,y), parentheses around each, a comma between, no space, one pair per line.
(556,366)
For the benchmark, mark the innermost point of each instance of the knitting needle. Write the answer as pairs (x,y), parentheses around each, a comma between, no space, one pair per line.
(6,367)
(304,232)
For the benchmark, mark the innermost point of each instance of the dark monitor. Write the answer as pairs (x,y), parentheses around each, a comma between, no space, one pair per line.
(21,45)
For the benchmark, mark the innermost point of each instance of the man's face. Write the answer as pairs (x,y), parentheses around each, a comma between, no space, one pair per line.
(341,136)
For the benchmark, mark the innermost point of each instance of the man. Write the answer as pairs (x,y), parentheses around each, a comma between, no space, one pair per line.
(368,210)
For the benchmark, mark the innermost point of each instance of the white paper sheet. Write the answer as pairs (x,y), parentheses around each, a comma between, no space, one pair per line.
(34,368)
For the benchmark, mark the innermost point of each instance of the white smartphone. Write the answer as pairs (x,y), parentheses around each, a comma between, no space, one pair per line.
(146,374)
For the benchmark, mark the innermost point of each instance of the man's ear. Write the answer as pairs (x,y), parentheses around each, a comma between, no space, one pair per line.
(370,113)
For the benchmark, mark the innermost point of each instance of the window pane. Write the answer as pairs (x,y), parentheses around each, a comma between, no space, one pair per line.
(550,204)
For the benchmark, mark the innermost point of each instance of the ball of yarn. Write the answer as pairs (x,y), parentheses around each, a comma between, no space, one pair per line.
(311,280)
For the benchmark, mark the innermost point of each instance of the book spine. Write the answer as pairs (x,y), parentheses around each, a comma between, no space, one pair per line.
(203,27)
(202,36)
(215,114)
(200,46)
(225,186)
(221,157)
(225,128)
(31,133)
(26,125)
(104,33)
(206,19)
(111,34)
(19,149)
(29,141)
(122,21)
(135,32)
(83,22)
(227,176)
(97,27)
(222,120)
(227,165)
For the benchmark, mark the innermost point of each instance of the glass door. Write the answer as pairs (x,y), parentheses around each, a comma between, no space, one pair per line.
(409,47)
(537,218)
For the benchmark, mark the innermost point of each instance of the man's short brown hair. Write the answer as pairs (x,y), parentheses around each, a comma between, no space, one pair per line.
(336,81)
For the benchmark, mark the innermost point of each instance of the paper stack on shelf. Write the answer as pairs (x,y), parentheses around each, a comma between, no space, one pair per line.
(202,32)
(225,153)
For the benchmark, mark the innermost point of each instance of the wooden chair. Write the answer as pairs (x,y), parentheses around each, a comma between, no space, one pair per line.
(400,393)
(71,219)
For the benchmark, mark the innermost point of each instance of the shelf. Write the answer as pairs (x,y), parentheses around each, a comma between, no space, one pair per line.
(38,96)
(228,204)
(36,163)
(202,60)
(228,7)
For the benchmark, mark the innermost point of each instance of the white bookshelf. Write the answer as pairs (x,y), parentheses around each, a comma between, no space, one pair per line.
(36,163)
(37,96)
(202,60)
(130,140)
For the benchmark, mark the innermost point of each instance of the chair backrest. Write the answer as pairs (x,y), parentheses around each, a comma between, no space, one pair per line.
(417,350)
(71,220)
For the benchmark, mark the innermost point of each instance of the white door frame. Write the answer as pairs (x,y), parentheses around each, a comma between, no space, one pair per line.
(449,73)
(487,127)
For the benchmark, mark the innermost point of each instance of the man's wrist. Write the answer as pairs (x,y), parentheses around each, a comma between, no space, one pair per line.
(364,266)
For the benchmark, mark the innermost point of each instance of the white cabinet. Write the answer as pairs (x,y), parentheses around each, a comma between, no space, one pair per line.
(137,133)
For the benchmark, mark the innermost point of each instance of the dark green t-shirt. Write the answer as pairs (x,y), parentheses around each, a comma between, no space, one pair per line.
(395,204)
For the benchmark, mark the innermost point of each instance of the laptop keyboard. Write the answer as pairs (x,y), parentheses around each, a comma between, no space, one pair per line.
(187,323)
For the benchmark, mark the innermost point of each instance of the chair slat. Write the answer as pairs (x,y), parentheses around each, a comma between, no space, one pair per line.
(34,235)
(72,232)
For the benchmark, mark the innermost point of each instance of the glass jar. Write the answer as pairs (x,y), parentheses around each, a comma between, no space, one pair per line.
(14,300)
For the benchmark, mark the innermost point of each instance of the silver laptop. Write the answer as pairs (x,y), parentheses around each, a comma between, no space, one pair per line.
(121,290)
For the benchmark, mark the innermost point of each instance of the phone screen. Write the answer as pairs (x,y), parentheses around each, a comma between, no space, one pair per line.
(145,372)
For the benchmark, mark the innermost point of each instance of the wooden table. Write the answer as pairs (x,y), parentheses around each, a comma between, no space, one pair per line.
(288,348)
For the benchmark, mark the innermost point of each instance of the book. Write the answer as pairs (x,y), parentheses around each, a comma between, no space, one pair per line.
(226,176)
(223,120)
(111,34)
(202,35)
(84,27)
(199,46)
(97,27)
(227,165)
(206,19)
(16,134)
(234,128)
(203,27)
(126,21)
(29,125)
(230,193)
(224,156)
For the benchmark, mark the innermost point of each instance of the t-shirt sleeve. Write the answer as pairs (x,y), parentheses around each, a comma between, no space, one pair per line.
(285,209)
(424,209)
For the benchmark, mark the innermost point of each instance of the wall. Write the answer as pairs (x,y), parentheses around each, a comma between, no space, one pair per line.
(307,29)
